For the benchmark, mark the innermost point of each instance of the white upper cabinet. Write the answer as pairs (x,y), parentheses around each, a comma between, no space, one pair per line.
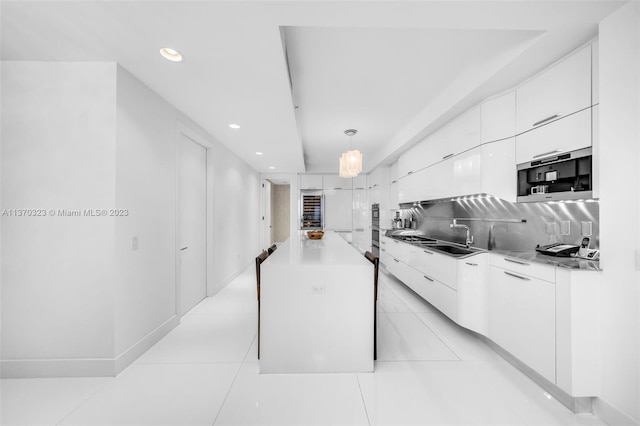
(458,136)
(570,133)
(414,159)
(393,173)
(557,92)
(336,182)
(499,169)
(464,134)
(359,182)
(498,118)
(595,73)
(310,181)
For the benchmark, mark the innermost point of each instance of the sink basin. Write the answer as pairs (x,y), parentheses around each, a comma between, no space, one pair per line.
(453,250)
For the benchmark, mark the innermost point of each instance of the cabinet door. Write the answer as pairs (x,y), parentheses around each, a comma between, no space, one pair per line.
(336,182)
(467,172)
(498,118)
(564,135)
(310,181)
(337,210)
(410,187)
(361,210)
(522,319)
(499,169)
(359,182)
(413,159)
(437,266)
(473,293)
(560,90)
(393,173)
(394,197)
(465,133)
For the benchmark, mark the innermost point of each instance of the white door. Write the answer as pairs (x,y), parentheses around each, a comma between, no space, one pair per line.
(192,210)
(267,226)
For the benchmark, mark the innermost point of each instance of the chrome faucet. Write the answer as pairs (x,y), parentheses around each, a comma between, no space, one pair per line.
(469,239)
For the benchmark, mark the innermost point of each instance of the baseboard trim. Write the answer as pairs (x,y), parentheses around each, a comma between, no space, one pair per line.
(127,357)
(575,404)
(84,367)
(45,368)
(611,415)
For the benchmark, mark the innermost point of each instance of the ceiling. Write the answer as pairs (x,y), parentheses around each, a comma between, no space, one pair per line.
(295,74)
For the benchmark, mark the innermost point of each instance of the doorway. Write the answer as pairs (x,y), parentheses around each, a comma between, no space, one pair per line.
(192,223)
(276,213)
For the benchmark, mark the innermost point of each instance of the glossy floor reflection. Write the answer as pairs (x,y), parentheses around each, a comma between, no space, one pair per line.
(205,372)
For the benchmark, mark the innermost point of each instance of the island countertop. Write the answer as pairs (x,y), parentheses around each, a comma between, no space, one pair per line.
(316,307)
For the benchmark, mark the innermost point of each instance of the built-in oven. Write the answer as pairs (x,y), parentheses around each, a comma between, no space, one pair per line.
(375,229)
(564,176)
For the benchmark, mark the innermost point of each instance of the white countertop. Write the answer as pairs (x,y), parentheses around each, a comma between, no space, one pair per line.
(330,250)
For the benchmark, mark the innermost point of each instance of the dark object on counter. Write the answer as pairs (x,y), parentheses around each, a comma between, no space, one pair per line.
(376,263)
(261,258)
(557,249)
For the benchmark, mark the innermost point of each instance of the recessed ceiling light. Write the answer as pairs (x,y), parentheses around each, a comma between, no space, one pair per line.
(234,126)
(271,167)
(258,153)
(171,54)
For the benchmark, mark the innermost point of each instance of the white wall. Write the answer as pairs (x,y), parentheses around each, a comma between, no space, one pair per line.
(236,216)
(76,297)
(145,186)
(619,402)
(58,152)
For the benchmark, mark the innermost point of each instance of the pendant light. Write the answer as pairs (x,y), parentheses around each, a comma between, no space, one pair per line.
(351,161)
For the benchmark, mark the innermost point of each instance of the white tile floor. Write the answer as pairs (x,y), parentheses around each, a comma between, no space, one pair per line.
(205,372)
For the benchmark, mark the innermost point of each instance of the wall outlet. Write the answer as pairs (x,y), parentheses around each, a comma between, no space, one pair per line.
(318,289)
(549,227)
(134,243)
(586,228)
(565,227)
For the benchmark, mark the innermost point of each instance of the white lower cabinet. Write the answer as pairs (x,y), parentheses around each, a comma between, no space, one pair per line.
(522,318)
(577,336)
(545,316)
(473,300)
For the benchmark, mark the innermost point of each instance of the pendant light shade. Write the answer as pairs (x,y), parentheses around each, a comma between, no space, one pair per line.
(350,161)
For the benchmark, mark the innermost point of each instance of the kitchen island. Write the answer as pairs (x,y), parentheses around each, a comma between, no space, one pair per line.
(316,307)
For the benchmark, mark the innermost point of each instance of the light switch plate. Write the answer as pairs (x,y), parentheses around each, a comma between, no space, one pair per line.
(134,243)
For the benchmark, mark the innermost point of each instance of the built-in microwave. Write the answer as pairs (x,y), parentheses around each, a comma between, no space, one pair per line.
(563,176)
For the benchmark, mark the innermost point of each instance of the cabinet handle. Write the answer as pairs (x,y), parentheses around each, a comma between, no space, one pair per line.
(382,249)
(393,181)
(471,264)
(516,276)
(429,278)
(544,120)
(383,242)
(544,154)
(428,252)
(409,172)
(449,155)
(337,188)
(183,248)
(397,242)
(396,260)
(516,261)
